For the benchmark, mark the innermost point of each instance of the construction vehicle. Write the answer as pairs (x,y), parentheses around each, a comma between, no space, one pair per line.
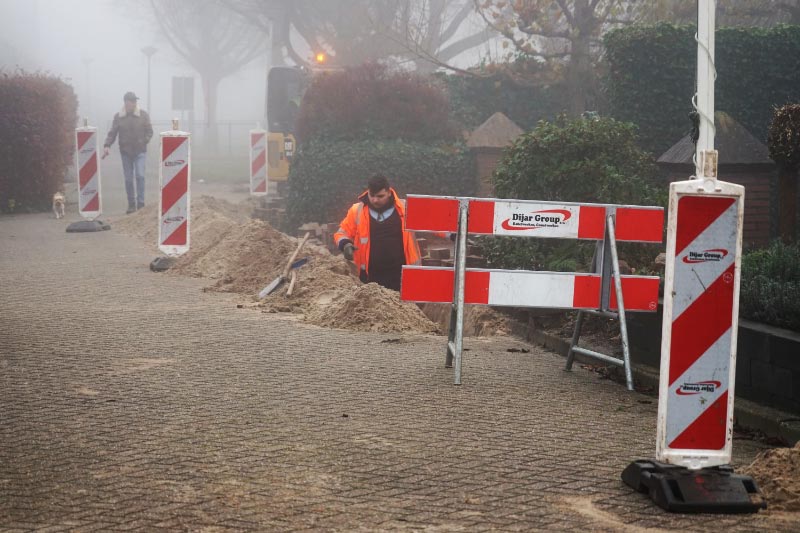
(285,88)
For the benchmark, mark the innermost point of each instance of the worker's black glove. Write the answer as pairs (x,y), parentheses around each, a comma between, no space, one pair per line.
(348,251)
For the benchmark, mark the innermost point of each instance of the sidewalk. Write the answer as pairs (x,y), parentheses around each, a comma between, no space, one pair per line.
(132,400)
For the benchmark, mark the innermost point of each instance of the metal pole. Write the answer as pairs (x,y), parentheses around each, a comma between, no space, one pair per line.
(706,74)
(623,326)
(149,104)
(460,280)
(576,335)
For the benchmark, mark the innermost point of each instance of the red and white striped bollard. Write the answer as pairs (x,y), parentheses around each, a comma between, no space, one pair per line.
(258,162)
(174,199)
(701,315)
(88,169)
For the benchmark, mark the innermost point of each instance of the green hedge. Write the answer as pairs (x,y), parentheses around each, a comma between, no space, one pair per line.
(651,77)
(372,102)
(327,176)
(581,160)
(473,99)
(770,289)
(38,114)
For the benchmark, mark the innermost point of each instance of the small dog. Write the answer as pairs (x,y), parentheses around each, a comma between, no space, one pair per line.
(58,204)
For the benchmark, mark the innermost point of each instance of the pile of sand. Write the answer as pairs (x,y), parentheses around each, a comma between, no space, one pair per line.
(369,307)
(211,221)
(242,256)
(777,473)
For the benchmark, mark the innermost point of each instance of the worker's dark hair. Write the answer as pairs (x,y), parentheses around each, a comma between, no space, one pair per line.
(377,183)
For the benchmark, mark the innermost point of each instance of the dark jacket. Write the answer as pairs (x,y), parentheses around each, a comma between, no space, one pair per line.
(134,130)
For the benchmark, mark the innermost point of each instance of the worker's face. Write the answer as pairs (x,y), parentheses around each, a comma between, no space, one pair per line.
(379,200)
(130,105)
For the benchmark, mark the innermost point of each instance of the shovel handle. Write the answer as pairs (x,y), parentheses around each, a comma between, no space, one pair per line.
(294,255)
(292,281)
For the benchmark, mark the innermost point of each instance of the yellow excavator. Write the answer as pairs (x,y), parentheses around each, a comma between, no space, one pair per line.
(285,88)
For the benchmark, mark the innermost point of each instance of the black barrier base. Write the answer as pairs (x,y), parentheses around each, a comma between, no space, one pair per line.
(709,490)
(160,264)
(87,226)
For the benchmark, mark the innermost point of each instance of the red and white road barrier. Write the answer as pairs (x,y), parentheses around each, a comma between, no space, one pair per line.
(522,218)
(258,162)
(701,309)
(89,204)
(174,176)
(598,291)
(521,288)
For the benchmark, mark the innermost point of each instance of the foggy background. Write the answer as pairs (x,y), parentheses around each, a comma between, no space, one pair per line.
(96,45)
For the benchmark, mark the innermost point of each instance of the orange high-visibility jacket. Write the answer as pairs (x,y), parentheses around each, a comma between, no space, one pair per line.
(355,228)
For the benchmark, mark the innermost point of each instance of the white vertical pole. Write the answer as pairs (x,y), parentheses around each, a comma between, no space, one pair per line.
(705,83)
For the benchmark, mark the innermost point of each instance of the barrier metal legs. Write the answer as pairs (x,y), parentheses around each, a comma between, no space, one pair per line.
(600,262)
(455,340)
(623,325)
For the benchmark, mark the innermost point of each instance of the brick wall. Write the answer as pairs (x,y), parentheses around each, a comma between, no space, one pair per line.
(486,160)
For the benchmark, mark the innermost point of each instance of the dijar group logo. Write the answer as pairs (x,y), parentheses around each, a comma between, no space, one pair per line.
(690,389)
(545,218)
(705,256)
(174,219)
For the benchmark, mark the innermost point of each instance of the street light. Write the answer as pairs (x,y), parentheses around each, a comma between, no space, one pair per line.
(149,51)
(86,60)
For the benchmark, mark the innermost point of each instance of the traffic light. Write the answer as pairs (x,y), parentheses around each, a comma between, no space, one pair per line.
(320,57)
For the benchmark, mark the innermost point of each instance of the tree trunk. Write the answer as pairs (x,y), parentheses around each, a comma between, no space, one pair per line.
(579,75)
(787,220)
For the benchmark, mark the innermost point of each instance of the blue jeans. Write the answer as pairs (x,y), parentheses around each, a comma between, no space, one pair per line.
(134,165)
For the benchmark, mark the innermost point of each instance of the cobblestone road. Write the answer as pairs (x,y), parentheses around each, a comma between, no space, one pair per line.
(132,400)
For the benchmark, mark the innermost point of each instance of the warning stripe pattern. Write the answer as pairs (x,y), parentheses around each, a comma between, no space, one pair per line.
(88,179)
(535,219)
(174,191)
(521,288)
(702,319)
(258,162)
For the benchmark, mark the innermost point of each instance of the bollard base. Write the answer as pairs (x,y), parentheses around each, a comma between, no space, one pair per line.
(87,226)
(160,264)
(709,490)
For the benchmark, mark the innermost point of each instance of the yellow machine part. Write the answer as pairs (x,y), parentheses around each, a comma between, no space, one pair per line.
(280,150)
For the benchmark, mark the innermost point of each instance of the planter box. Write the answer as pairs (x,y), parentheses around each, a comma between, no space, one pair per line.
(767,359)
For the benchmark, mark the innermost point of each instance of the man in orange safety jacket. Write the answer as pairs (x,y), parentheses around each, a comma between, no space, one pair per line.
(373,235)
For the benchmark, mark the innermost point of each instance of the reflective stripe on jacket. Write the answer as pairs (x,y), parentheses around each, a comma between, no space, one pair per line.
(355,228)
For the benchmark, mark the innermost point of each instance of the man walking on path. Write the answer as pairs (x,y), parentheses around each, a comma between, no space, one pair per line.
(135,131)
(373,235)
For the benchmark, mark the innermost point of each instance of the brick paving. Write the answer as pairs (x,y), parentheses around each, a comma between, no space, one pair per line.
(135,401)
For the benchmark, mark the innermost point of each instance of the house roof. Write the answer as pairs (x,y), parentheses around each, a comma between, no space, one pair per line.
(497,132)
(735,144)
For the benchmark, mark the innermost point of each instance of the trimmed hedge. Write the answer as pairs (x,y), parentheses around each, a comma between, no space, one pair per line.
(580,160)
(38,114)
(475,99)
(327,176)
(651,77)
(370,102)
(770,288)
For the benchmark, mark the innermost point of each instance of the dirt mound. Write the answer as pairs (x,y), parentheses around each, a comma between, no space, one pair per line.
(369,307)
(237,255)
(242,256)
(211,220)
(776,472)
(143,224)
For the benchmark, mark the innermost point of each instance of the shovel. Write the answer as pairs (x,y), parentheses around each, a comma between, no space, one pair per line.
(269,289)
